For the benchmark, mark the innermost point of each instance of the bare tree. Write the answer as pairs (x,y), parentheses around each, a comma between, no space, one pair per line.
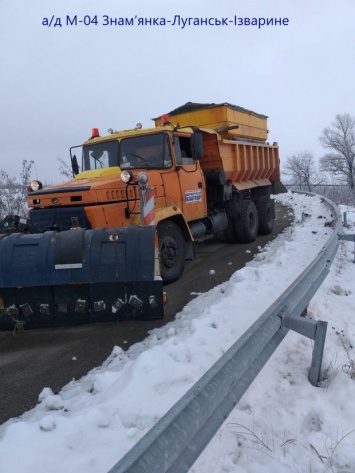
(64,169)
(302,170)
(13,194)
(340,139)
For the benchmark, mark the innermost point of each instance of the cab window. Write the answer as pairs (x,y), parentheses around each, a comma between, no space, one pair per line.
(100,155)
(182,146)
(148,151)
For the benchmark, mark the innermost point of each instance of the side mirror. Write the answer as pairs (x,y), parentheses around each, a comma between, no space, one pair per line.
(196,146)
(74,165)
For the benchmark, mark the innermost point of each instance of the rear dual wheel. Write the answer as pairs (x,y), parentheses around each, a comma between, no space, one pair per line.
(246,226)
(266,214)
(242,222)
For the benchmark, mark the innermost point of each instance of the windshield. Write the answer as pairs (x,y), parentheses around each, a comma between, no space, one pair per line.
(148,151)
(100,155)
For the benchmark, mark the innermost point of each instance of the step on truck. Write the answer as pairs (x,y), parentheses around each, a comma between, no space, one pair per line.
(100,246)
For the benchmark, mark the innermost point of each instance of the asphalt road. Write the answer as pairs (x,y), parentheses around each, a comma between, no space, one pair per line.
(35,359)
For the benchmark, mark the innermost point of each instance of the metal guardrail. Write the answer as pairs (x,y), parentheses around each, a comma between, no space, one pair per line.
(177,440)
(335,192)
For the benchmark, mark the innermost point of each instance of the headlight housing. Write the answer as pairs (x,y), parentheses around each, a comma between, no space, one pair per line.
(126,176)
(142,179)
(35,185)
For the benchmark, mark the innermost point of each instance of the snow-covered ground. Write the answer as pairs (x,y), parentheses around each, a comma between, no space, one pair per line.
(282,424)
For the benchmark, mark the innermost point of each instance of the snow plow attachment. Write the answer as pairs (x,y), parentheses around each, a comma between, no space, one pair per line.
(79,276)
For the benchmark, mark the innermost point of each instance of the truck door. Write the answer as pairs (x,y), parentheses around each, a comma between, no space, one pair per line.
(191,180)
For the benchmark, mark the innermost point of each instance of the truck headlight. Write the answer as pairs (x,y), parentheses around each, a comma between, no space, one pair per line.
(35,185)
(142,178)
(126,176)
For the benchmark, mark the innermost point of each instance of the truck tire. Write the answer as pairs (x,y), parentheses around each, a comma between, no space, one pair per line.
(229,233)
(248,223)
(172,251)
(266,213)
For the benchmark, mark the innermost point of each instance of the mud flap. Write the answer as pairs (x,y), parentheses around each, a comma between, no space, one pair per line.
(79,276)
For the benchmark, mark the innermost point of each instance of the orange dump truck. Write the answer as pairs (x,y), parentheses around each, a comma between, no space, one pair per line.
(202,170)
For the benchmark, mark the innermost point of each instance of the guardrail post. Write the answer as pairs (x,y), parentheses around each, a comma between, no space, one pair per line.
(345,220)
(348,237)
(318,349)
(314,330)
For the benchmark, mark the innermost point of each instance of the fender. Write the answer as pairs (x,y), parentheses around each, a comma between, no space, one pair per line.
(174,213)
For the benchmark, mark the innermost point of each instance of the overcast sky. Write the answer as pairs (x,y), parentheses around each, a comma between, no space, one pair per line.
(57,83)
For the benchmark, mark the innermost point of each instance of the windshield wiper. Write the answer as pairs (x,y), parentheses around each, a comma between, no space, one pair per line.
(141,158)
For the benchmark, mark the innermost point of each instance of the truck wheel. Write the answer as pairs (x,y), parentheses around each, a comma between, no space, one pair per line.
(172,250)
(247,224)
(232,213)
(266,212)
